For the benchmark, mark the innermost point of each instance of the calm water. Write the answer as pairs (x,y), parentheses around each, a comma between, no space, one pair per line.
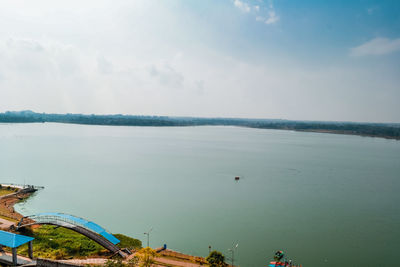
(327,200)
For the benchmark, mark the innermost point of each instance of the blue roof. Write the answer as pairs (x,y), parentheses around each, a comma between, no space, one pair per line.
(13,240)
(84,223)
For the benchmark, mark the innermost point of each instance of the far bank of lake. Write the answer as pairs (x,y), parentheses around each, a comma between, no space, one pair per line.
(383,130)
(327,200)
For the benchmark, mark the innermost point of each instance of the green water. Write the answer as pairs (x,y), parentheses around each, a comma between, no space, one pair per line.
(327,200)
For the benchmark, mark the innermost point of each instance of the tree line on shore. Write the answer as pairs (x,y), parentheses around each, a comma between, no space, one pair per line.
(386,130)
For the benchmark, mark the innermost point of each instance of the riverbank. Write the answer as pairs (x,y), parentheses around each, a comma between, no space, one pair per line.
(7,202)
(67,246)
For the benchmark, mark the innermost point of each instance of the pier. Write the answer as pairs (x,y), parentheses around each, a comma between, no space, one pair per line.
(22,186)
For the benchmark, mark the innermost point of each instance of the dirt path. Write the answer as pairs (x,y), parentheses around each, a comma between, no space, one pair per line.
(177,262)
(7,203)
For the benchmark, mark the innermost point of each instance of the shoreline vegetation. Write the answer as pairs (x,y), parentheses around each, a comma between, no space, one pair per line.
(382,130)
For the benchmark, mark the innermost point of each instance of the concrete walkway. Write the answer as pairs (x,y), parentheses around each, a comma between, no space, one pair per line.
(83,262)
(160,260)
(5,224)
(6,258)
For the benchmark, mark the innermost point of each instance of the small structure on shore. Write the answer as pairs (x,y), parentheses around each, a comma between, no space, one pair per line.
(13,241)
(281,261)
(24,188)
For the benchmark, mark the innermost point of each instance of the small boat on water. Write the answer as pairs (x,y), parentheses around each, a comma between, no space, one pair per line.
(237,178)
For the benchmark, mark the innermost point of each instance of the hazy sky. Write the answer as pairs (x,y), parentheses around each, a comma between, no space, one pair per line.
(289,59)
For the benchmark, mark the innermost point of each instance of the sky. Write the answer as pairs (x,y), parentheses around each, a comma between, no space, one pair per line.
(279,59)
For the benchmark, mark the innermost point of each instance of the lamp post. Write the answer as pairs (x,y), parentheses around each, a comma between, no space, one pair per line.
(148,236)
(232,250)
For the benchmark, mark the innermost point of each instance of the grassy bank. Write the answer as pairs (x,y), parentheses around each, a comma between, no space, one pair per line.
(7,190)
(60,243)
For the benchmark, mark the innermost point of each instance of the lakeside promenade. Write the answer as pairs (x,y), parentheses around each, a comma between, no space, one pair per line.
(11,194)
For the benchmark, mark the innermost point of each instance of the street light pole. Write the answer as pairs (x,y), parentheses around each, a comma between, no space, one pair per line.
(148,236)
(233,253)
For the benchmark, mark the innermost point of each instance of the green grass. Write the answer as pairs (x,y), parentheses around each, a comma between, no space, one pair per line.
(5,191)
(8,219)
(60,243)
(128,242)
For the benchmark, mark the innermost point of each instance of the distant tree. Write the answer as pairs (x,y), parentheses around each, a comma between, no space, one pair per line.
(216,259)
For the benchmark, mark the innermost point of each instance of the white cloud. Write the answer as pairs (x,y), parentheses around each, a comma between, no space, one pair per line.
(260,18)
(104,66)
(272,18)
(269,16)
(35,77)
(376,47)
(242,6)
(371,10)
(167,76)
(120,60)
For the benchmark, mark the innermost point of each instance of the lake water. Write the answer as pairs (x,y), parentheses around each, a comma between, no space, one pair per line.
(326,200)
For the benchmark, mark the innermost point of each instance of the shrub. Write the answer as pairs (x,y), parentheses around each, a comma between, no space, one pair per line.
(146,256)
(216,259)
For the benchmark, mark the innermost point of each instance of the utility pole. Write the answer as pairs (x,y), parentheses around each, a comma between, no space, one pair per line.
(148,236)
(232,250)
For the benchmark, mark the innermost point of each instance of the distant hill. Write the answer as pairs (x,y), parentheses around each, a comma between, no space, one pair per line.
(385,130)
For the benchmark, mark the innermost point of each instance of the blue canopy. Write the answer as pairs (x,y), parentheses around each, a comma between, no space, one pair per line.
(13,240)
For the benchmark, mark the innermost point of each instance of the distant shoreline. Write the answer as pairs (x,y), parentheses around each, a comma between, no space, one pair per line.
(381,130)
(306,131)
(349,133)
